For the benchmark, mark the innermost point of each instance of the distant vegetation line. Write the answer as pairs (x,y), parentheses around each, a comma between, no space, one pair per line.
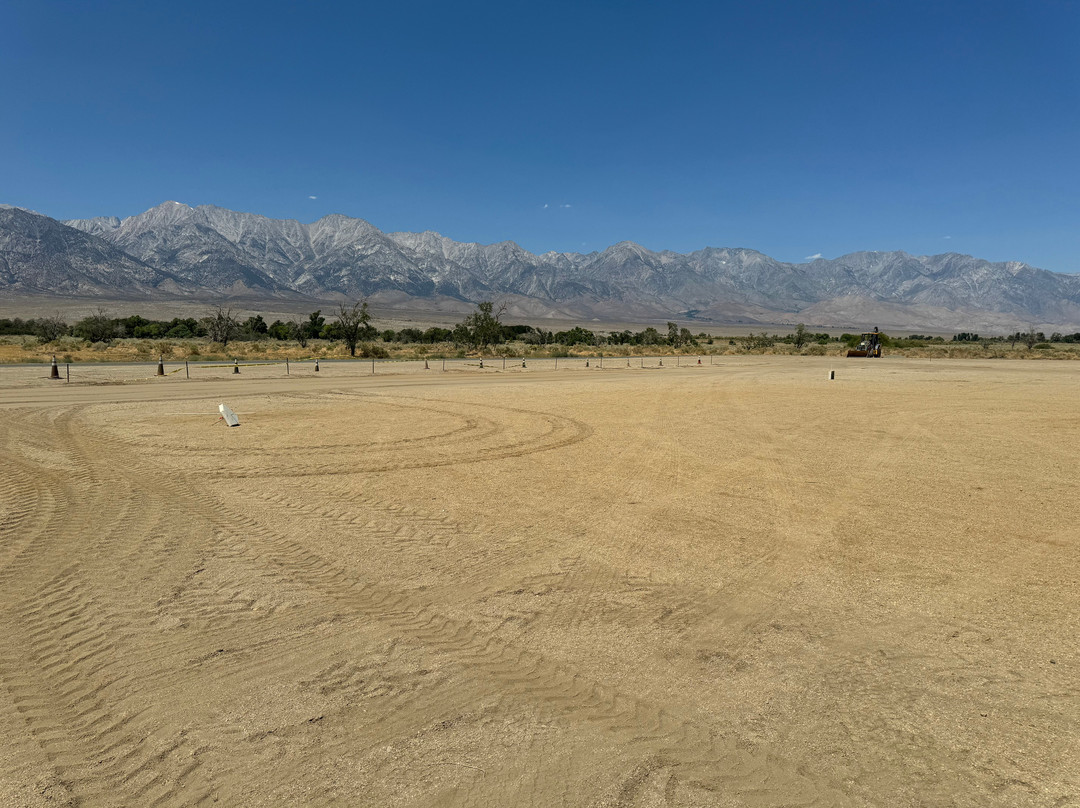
(480,332)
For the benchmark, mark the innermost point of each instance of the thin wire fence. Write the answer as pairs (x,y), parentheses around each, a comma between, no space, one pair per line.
(196,370)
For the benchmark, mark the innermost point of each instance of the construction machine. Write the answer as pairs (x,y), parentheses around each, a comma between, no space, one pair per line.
(870,345)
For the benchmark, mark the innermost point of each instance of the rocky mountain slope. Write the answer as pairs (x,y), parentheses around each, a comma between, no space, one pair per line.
(211,251)
(39,255)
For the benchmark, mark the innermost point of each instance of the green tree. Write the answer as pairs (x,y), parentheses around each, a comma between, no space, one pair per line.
(649,336)
(673,336)
(484,325)
(254,328)
(436,334)
(98,327)
(575,336)
(279,330)
(800,335)
(314,325)
(354,324)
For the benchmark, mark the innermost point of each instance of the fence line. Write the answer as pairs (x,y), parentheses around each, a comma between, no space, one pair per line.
(200,369)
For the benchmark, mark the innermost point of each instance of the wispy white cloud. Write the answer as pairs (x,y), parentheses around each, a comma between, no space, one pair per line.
(546,206)
(946,236)
(814,257)
(313,197)
(565,206)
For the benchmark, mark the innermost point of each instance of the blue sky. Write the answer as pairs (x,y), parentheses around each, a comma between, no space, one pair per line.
(794,128)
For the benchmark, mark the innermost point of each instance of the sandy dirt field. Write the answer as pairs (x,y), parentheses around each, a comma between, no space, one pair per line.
(729,585)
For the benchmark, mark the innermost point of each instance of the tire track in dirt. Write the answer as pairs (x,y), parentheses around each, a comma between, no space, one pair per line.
(478,440)
(73,691)
(68,664)
(25,507)
(510,672)
(46,504)
(558,432)
(525,674)
(768,581)
(471,428)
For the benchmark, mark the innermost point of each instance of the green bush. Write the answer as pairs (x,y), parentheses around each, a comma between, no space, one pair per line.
(370,351)
(1041,346)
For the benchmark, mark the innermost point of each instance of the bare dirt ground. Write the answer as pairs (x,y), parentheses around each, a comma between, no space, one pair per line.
(731,585)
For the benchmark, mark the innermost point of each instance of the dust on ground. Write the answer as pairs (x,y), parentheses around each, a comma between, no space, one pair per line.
(737,584)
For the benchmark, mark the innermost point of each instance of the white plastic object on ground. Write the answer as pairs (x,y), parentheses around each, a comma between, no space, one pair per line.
(228,416)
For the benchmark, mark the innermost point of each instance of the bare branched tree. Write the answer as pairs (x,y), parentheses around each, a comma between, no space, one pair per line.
(52,328)
(222,325)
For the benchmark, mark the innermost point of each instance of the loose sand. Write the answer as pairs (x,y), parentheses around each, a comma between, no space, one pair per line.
(732,585)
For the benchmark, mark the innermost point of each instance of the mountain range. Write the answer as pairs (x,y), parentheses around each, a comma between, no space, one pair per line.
(209,253)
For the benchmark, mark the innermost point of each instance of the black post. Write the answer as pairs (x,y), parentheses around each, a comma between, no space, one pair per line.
(286,366)
(187,373)
(373,366)
(68,371)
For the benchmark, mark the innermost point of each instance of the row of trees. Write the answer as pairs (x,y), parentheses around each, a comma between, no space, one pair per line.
(352,325)
(481,329)
(1029,338)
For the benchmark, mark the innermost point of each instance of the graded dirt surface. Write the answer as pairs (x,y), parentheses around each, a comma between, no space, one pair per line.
(736,585)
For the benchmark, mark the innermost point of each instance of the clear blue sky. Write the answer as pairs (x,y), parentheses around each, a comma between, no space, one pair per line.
(794,128)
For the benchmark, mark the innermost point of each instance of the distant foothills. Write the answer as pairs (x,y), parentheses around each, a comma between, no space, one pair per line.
(174,252)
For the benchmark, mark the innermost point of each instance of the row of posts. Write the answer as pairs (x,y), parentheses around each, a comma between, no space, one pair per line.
(55,372)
